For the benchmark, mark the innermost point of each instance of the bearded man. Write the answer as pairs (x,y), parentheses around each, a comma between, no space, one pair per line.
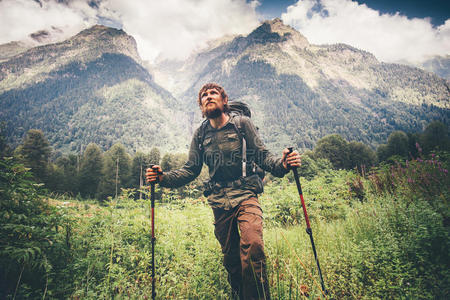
(233,188)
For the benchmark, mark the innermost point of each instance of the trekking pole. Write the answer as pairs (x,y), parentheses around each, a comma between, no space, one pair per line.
(152,200)
(308,227)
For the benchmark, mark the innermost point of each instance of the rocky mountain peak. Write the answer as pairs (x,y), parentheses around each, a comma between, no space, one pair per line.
(275,31)
(99,30)
(277,25)
(105,37)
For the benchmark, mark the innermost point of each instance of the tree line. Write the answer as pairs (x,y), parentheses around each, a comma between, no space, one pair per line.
(99,174)
(399,146)
(94,173)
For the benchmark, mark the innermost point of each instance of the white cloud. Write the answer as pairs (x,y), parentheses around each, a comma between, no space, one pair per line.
(169,28)
(20,18)
(390,38)
(173,28)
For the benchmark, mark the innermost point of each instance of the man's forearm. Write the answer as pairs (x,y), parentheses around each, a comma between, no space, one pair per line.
(178,178)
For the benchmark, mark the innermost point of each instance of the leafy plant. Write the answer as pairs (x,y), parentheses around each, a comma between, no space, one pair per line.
(35,238)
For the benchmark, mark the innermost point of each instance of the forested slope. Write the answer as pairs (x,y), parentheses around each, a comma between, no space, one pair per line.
(91,88)
(302,92)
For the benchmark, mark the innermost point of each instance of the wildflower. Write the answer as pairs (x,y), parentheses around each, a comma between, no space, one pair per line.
(418,147)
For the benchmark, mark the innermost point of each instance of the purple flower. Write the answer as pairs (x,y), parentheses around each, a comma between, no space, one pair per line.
(418,147)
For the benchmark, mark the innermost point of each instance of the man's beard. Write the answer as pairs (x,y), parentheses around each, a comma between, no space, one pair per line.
(214,113)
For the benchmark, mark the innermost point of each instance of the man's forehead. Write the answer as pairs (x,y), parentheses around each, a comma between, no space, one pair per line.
(211,89)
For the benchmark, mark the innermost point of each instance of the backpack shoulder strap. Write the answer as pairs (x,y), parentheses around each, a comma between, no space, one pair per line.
(237,121)
(238,124)
(201,134)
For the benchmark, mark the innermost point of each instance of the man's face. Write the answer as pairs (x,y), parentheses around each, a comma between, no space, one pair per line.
(212,103)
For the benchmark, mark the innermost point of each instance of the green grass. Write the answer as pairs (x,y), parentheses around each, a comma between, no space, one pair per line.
(372,243)
(376,250)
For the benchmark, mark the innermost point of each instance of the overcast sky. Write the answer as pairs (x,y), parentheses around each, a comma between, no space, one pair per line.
(408,30)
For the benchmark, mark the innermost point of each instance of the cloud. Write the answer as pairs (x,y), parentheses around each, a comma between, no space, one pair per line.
(391,38)
(173,28)
(20,18)
(167,29)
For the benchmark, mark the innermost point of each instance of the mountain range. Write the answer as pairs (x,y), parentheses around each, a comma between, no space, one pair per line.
(89,88)
(94,87)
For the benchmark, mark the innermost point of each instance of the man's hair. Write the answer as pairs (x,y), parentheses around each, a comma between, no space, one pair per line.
(217,87)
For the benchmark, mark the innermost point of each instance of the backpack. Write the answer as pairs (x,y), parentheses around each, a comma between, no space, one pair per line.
(237,110)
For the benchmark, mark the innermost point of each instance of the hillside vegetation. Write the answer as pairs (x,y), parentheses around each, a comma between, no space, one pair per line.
(91,88)
(300,92)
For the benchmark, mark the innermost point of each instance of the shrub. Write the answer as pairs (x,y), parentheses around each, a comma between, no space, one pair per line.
(34,238)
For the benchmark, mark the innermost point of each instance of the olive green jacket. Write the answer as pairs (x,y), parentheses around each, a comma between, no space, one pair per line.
(222,153)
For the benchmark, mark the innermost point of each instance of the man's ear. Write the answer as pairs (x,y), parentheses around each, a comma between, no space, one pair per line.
(225,101)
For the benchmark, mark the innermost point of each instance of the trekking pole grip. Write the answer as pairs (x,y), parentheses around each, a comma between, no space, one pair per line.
(294,169)
(291,149)
(154,168)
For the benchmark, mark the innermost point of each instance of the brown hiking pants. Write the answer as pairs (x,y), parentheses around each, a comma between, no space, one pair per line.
(240,234)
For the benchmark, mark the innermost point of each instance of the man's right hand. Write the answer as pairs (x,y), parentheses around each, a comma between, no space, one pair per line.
(154,174)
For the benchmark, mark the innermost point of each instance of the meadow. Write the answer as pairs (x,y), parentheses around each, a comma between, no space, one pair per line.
(382,234)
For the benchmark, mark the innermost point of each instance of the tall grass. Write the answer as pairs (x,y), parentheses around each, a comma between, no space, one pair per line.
(378,236)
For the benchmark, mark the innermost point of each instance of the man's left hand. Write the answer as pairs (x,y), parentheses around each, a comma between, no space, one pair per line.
(292,159)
